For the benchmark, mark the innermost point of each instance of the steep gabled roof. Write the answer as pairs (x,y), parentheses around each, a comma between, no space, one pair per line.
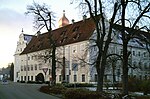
(72,33)
(130,30)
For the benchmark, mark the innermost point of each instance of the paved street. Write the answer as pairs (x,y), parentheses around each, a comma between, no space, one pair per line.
(22,91)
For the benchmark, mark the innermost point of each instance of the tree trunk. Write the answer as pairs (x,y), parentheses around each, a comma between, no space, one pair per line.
(99,76)
(125,68)
(53,65)
(100,67)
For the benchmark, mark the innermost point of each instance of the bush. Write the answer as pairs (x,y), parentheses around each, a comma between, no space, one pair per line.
(142,97)
(22,81)
(84,94)
(145,86)
(38,82)
(78,85)
(45,89)
(31,82)
(136,85)
(58,89)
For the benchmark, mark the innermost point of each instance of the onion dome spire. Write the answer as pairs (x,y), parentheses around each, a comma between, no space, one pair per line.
(63,21)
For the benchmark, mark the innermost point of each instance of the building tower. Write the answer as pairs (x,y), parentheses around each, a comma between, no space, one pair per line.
(63,21)
(24,39)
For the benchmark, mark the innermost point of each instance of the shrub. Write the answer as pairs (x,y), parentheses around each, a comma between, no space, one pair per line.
(145,86)
(45,89)
(58,89)
(134,84)
(38,82)
(139,85)
(31,82)
(22,81)
(78,85)
(84,94)
(142,97)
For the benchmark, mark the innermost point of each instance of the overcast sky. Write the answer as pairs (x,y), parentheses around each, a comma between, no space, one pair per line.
(13,19)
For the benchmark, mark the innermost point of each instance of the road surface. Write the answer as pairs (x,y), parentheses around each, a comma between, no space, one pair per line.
(22,91)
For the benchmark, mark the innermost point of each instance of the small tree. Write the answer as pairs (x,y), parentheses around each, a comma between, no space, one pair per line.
(12,72)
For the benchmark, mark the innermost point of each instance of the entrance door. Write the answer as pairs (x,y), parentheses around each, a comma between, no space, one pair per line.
(40,78)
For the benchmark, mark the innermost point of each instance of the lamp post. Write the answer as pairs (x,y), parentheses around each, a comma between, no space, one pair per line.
(45,69)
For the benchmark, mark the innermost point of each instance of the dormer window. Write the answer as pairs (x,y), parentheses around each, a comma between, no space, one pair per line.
(61,41)
(76,36)
(63,33)
(75,29)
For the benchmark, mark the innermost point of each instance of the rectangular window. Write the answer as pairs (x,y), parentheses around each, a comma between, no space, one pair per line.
(67,63)
(95,77)
(28,58)
(59,77)
(40,66)
(28,68)
(21,78)
(31,67)
(67,78)
(140,65)
(83,77)
(24,68)
(21,68)
(144,54)
(28,78)
(24,78)
(74,65)
(32,57)
(133,53)
(31,78)
(35,66)
(75,78)
(139,54)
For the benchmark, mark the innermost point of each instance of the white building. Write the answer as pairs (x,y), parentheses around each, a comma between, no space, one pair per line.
(24,39)
(72,43)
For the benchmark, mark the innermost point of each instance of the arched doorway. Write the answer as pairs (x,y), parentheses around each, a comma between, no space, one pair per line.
(40,78)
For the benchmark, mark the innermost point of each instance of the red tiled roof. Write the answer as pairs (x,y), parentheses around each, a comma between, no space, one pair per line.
(72,33)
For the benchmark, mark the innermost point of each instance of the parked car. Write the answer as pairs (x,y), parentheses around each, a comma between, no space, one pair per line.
(4,81)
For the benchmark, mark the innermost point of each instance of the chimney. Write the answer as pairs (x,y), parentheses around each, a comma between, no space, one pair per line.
(38,33)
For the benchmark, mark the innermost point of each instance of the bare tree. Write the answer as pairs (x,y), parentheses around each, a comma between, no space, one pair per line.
(141,12)
(43,17)
(103,34)
(138,12)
